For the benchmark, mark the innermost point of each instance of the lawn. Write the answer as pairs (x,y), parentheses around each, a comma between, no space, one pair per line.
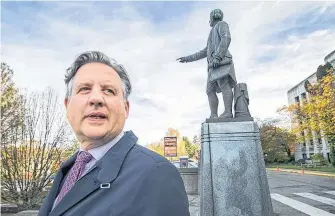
(287,166)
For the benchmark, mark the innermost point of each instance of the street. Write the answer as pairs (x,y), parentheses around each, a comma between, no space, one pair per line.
(294,195)
(297,195)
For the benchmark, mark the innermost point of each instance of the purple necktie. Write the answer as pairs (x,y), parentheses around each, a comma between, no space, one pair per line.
(74,174)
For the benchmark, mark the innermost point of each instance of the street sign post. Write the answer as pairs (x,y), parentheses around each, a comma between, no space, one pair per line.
(170,147)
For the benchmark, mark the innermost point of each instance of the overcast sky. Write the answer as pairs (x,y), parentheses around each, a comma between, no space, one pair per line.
(274,45)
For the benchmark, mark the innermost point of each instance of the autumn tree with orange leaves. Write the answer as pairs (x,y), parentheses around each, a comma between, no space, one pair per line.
(317,112)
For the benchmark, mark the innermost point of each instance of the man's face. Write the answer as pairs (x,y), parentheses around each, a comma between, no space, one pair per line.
(211,20)
(96,109)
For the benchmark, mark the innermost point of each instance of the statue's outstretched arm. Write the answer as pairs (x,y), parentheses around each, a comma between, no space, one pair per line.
(197,56)
(224,33)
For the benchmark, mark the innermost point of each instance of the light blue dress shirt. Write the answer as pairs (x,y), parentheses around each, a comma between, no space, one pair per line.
(99,152)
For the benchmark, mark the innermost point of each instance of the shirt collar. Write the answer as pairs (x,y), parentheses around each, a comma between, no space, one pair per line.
(100,151)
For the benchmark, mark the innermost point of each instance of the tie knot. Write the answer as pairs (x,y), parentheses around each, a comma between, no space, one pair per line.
(83,156)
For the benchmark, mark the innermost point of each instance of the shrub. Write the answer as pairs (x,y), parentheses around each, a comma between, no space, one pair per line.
(319,158)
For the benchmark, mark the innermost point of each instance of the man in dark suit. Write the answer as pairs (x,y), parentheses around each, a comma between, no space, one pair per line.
(110,174)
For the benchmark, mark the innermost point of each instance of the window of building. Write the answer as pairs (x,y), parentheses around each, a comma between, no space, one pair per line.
(304,144)
(296,99)
(304,96)
(318,136)
(320,140)
(311,142)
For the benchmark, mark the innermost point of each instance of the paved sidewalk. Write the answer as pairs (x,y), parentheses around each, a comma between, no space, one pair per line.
(194,201)
(22,213)
(305,172)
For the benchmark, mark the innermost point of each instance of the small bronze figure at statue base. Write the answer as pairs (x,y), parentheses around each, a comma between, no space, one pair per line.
(241,106)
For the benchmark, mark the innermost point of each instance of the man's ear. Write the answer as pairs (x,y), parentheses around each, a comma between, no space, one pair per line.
(66,102)
(126,104)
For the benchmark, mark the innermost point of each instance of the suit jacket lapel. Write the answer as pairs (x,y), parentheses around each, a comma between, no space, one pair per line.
(104,171)
(48,203)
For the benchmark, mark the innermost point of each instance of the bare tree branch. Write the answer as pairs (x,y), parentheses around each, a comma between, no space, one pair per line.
(32,147)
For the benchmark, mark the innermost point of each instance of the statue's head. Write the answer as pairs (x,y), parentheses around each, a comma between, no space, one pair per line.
(215,16)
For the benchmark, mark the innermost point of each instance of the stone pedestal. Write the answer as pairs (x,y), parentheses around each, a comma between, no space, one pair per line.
(232,171)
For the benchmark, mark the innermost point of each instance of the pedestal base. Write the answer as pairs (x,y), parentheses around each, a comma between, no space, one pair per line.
(232,171)
(221,119)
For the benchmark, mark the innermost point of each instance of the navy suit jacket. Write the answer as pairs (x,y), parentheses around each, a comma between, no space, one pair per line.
(129,180)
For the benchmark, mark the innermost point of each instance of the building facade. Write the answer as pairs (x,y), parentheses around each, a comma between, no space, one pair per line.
(318,143)
(330,58)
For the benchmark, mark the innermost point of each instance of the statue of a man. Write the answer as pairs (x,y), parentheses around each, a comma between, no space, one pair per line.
(221,72)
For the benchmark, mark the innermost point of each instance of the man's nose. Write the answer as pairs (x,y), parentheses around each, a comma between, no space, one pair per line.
(96,98)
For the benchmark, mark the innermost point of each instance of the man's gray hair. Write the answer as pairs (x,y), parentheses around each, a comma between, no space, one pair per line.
(96,57)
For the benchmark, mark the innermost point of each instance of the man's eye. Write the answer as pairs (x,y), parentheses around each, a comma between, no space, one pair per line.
(84,89)
(110,91)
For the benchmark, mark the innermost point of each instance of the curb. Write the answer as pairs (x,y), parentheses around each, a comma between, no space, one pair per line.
(305,172)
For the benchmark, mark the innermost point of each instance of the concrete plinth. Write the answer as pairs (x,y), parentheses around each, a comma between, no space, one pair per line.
(232,171)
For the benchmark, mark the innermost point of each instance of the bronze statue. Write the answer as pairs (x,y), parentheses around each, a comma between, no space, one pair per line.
(221,72)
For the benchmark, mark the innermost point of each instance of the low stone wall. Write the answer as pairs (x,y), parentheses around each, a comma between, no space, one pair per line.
(28,213)
(9,208)
(190,177)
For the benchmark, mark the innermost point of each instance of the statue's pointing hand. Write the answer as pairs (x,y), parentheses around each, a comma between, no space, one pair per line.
(181,59)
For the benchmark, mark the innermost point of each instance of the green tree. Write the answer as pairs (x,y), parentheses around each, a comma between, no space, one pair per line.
(318,112)
(191,148)
(277,143)
(10,105)
(157,147)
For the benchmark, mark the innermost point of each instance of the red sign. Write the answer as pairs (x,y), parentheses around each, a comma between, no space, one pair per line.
(170,146)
